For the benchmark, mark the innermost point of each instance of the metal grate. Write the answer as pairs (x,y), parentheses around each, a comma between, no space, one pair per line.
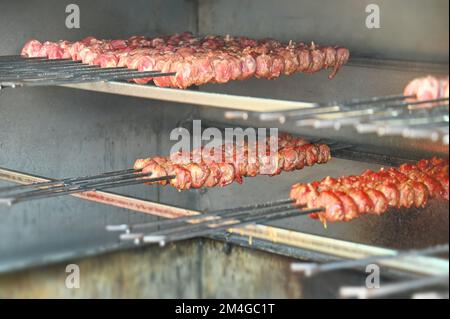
(17,71)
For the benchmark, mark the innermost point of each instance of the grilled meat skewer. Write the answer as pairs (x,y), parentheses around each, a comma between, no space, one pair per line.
(231,163)
(196,60)
(349,197)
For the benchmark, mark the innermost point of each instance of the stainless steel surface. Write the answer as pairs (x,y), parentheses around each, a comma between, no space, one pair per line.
(210,99)
(107,19)
(47,189)
(409,29)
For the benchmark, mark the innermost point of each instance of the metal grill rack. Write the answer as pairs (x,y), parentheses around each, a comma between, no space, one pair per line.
(209,223)
(17,71)
(396,115)
(411,285)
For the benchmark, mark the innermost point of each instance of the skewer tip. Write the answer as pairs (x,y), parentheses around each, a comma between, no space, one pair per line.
(306,268)
(130,236)
(117,228)
(353,292)
(155,239)
(6,201)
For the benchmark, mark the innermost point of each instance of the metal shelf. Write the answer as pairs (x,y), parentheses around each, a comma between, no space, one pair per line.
(243,103)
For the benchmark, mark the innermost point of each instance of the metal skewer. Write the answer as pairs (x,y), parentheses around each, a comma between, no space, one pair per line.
(218,218)
(360,112)
(66,181)
(52,70)
(107,76)
(363,114)
(329,108)
(310,269)
(199,217)
(13,57)
(34,62)
(226,224)
(202,224)
(376,99)
(226,218)
(391,289)
(325,107)
(81,183)
(71,71)
(80,188)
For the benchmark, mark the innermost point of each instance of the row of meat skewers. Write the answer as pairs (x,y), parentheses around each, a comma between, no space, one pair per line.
(196,60)
(330,199)
(342,199)
(349,197)
(228,163)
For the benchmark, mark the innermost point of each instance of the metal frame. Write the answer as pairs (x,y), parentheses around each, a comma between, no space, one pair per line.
(18,71)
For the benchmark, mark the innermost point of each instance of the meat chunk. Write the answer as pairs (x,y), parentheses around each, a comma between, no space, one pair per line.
(427,88)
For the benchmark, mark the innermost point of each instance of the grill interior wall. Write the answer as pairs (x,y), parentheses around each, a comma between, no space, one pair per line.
(409,30)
